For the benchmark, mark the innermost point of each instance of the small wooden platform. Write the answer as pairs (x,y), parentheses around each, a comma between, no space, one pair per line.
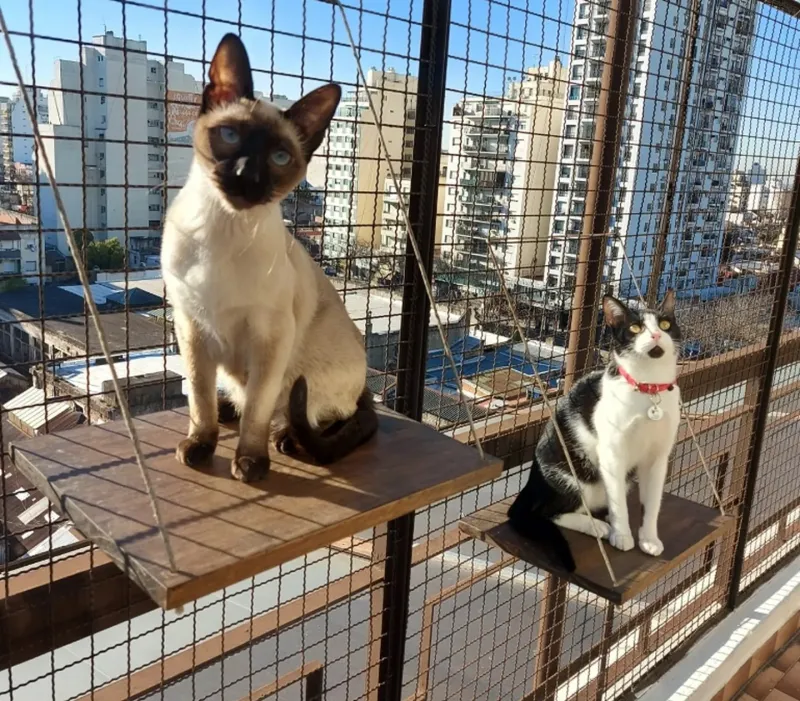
(223,531)
(685,527)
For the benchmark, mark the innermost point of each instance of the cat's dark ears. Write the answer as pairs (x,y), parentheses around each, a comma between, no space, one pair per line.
(667,305)
(312,114)
(614,311)
(230,77)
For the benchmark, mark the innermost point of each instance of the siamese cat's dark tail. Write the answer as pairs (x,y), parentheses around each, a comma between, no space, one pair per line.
(338,440)
(526,517)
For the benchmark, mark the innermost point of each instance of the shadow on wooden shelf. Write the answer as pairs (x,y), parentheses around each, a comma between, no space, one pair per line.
(223,531)
(685,528)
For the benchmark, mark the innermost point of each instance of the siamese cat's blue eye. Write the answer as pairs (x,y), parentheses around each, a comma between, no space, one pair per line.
(229,135)
(280,158)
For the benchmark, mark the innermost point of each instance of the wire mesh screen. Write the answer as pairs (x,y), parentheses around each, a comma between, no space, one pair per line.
(546,154)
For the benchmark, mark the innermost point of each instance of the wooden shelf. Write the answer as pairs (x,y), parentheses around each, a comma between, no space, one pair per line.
(685,528)
(223,531)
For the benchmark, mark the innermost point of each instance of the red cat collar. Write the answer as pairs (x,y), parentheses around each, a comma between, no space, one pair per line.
(646,387)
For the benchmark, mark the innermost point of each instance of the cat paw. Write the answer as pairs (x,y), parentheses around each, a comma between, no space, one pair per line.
(621,540)
(250,469)
(194,452)
(603,529)
(650,544)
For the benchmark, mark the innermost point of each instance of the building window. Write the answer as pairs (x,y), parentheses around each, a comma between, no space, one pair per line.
(155,207)
(575,92)
(102,209)
(102,99)
(30,266)
(153,70)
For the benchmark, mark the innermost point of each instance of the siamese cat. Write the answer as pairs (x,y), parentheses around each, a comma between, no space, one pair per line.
(617,423)
(250,304)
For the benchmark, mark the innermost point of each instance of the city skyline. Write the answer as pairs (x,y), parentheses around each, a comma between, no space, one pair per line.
(369,210)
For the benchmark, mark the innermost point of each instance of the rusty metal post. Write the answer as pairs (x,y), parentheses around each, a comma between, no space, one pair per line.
(600,187)
(657,267)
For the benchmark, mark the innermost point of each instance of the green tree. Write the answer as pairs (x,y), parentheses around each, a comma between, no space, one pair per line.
(83,237)
(12,283)
(106,255)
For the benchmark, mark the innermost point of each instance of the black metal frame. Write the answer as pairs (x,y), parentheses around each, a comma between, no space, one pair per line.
(414,328)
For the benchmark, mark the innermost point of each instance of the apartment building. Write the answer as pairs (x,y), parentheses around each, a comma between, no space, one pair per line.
(500,175)
(393,223)
(114,153)
(17,153)
(16,129)
(696,222)
(355,168)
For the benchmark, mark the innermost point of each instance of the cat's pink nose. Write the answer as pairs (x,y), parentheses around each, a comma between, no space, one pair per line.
(656,336)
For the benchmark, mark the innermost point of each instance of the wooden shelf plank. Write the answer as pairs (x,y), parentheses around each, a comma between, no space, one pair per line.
(685,528)
(223,531)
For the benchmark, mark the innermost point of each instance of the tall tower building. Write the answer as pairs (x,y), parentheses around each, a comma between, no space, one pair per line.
(696,222)
(500,174)
(355,170)
(113,156)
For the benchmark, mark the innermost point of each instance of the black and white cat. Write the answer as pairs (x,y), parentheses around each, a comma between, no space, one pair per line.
(616,423)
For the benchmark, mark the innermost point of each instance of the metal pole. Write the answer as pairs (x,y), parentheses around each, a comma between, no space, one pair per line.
(600,187)
(413,350)
(651,292)
(765,388)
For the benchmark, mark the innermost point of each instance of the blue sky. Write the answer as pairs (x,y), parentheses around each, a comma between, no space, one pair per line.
(502,36)
(533,37)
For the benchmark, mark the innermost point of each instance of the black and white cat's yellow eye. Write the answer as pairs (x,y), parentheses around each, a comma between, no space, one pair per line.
(635,328)
(229,135)
(664,325)
(280,157)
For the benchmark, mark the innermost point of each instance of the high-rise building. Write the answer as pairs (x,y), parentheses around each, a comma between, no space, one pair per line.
(758,174)
(696,223)
(112,156)
(500,174)
(355,169)
(393,223)
(17,146)
(20,142)
(6,151)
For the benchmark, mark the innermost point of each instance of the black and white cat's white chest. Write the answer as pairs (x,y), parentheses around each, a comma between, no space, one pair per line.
(636,424)
(605,404)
